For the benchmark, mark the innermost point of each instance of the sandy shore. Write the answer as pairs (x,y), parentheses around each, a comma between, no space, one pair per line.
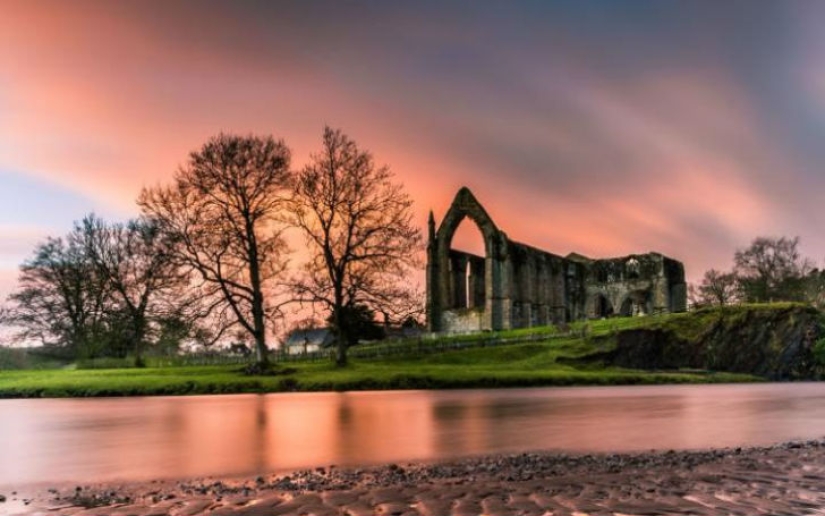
(787,479)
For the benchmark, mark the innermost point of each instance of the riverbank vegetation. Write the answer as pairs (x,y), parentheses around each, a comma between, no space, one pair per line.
(192,290)
(727,344)
(519,365)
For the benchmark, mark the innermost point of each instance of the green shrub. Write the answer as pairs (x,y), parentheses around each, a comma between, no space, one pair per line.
(22,358)
(13,358)
(819,353)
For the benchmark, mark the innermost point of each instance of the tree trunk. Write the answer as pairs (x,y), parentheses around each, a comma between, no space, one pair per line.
(261,350)
(340,338)
(341,358)
(139,362)
(258,323)
(341,348)
(138,344)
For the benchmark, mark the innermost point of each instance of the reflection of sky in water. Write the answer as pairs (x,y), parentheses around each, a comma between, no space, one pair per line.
(142,438)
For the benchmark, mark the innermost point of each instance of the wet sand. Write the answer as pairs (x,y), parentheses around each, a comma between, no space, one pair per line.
(786,479)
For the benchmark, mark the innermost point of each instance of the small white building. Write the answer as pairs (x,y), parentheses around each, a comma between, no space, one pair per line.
(312,340)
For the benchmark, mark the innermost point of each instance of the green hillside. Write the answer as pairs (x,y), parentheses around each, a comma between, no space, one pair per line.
(748,343)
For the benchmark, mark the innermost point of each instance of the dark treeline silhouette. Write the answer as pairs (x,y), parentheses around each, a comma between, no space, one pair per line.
(770,269)
(207,257)
(102,290)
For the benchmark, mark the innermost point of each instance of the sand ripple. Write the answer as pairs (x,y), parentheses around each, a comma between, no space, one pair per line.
(787,479)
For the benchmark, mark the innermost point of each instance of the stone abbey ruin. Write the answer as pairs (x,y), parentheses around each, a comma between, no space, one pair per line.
(518,286)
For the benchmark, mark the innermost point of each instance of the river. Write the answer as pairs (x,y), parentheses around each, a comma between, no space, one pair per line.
(169,437)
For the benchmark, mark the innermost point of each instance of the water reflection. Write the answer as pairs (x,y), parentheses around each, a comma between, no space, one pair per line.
(142,438)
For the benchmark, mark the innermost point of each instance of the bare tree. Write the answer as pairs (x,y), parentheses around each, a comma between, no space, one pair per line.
(815,288)
(716,289)
(60,299)
(359,231)
(223,212)
(772,269)
(136,260)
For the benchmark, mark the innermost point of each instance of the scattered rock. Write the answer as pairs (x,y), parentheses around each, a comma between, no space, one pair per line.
(662,482)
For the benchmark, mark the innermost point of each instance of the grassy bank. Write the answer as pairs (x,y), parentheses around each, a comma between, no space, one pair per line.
(548,362)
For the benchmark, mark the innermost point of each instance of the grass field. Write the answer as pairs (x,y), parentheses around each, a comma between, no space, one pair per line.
(544,362)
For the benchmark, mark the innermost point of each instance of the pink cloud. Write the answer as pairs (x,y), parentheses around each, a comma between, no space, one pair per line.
(105,98)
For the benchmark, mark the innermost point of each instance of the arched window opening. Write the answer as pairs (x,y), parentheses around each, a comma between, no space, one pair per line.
(636,303)
(602,307)
(468,238)
(468,266)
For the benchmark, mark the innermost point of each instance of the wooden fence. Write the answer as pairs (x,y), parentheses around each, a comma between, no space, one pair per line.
(406,348)
(418,347)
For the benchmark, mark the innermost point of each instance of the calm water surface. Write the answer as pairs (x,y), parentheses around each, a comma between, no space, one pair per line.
(167,437)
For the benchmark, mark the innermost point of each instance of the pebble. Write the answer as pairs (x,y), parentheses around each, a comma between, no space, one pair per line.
(524,483)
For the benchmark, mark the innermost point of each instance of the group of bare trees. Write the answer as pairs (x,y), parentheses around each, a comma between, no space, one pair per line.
(103,289)
(208,254)
(768,270)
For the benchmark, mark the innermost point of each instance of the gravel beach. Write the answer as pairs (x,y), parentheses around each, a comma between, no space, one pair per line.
(786,479)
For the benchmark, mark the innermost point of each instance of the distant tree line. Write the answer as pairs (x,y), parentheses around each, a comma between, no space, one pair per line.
(770,269)
(207,258)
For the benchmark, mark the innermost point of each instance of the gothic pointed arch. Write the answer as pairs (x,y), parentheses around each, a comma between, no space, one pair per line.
(462,281)
(465,205)
(599,305)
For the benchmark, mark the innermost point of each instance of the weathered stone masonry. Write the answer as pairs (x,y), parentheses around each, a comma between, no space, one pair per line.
(517,286)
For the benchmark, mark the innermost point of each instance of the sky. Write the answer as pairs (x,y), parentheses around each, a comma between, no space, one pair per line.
(605,128)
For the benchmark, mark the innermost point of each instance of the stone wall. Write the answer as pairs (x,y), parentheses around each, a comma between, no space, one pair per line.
(635,285)
(516,286)
(463,320)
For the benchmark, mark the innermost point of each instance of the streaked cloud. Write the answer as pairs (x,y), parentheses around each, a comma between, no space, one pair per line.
(599,127)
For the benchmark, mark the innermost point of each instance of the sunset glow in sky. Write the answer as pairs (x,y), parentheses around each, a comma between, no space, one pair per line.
(604,128)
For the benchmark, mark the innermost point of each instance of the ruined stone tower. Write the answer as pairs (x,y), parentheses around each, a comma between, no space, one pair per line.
(516,286)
